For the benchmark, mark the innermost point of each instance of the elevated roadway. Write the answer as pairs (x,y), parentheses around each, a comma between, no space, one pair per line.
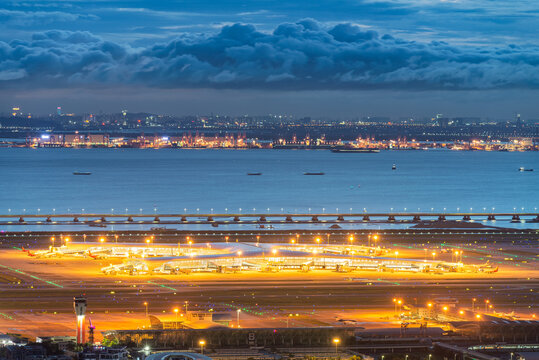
(260,218)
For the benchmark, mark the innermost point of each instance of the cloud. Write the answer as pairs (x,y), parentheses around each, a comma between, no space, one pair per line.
(295,56)
(24,18)
(251,13)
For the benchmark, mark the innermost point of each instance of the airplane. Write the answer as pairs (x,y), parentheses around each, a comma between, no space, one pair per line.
(131,267)
(344,268)
(170,269)
(42,253)
(96,256)
(54,252)
(269,268)
(488,270)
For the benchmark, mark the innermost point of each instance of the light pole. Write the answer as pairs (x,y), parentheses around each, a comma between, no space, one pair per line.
(146,307)
(486,304)
(473,304)
(336,341)
(202,343)
(238,317)
(176,311)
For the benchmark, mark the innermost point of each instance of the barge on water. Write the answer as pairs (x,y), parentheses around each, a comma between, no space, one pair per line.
(359,150)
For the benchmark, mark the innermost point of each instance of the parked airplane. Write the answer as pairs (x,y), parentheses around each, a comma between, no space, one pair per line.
(131,267)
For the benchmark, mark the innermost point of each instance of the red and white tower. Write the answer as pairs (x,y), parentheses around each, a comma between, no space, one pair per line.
(79,304)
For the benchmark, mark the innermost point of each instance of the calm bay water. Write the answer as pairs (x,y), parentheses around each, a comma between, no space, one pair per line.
(170,180)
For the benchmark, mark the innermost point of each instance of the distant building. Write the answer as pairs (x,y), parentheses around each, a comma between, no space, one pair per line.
(72,140)
(104,353)
(193,320)
(466,120)
(63,342)
(519,121)
(7,340)
(33,352)
(376,119)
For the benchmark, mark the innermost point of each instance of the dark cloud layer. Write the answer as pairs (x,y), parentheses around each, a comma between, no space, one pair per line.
(302,55)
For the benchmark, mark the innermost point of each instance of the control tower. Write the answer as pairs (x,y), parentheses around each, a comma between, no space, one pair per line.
(79,304)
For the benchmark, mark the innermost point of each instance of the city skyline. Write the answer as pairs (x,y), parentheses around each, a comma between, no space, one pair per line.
(53,111)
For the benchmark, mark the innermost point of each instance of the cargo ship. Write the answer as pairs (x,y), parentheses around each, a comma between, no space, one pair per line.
(364,151)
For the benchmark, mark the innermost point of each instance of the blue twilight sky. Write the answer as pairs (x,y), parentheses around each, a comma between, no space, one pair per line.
(327,57)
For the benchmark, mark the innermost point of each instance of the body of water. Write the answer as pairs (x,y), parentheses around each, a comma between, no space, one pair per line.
(171,180)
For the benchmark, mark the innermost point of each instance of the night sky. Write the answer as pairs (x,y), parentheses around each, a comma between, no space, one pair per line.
(320,58)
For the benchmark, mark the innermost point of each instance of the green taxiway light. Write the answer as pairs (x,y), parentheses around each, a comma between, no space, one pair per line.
(6,316)
(389,282)
(32,276)
(163,286)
